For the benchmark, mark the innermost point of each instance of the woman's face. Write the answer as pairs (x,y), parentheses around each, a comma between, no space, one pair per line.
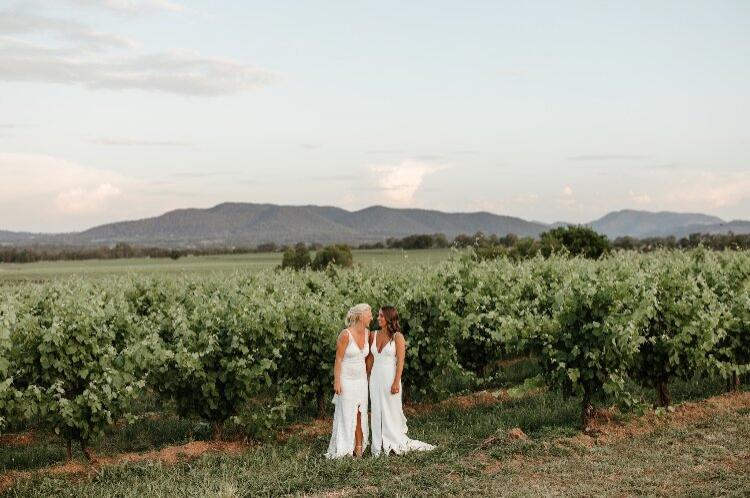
(381,320)
(367,318)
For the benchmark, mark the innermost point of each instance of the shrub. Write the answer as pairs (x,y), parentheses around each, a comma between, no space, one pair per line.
(297,258)
(682,325)
(595,334)
(219,344)
(338,255)
(575,240)
(65,346)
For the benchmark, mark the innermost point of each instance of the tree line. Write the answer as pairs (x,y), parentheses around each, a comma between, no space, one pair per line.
(575,240)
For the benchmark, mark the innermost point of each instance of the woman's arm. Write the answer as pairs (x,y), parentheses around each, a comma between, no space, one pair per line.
(370,358)
(400,356)
(341,344)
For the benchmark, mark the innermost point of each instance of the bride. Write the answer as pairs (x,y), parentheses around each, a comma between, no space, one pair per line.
(388,349)
(349,435)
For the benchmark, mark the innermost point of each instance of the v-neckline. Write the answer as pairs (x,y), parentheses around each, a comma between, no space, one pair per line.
(356,344)
(380,350)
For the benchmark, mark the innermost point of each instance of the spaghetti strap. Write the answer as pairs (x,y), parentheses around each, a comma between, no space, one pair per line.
(352,403)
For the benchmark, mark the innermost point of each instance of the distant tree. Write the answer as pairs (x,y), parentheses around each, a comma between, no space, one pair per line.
(524,248)
(491,252)
(440,241)
(376,245)
(121,250)
(296,258)
(626,243)
(339,255)
(480,240)
(463,240)
(416,242)
(509,240)
(267,247)
(576,240)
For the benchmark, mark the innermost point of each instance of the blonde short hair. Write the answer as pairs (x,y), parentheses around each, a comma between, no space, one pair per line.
(355,313)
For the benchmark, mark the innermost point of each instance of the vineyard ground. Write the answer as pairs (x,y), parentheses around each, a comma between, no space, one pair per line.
(700,449)
(226,263)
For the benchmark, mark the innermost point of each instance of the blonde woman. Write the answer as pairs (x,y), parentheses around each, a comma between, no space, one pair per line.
(349,437)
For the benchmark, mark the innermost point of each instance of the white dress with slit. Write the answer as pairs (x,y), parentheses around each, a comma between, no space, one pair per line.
(353,399)
(388,420)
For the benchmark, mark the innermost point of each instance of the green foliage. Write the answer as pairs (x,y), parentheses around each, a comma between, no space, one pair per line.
(574,240)
(250,348)
(313,319)
(337,255)
(599,315)
(682,331)
(8,393)
(296,258)
(219,342)
(67,357)
(730,279)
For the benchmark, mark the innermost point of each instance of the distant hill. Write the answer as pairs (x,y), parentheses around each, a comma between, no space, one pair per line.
(647,224)
(246,224)
(734,226)
(8,238)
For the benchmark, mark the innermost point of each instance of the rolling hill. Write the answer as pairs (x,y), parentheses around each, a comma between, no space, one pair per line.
(247,224)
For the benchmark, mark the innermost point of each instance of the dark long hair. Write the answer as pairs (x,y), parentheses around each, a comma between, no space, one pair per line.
(391,320)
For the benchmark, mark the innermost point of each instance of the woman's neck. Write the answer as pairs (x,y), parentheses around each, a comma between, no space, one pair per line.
(360,327)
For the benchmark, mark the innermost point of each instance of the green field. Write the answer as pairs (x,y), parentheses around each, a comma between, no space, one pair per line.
(197,264)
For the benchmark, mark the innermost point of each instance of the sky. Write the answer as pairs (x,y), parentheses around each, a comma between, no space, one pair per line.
(546,110)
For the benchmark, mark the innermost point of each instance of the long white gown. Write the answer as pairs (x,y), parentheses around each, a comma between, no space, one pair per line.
(388,420)
(353,398)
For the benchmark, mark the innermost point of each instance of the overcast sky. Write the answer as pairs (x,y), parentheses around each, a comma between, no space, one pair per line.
(122,109)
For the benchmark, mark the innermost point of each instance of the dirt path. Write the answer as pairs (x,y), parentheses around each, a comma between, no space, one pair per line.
(169,455)
(605,431)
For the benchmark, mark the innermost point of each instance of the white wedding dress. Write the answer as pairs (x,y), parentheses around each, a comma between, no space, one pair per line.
(353,398)
(388,420)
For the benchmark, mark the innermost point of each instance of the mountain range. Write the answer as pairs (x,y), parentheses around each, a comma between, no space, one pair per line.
(246,224)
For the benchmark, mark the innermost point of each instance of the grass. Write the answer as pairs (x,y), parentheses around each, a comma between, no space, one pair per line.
(195,264)
(473,457)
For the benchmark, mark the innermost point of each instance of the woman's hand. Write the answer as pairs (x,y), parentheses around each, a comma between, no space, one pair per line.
(395,388)
(337,387)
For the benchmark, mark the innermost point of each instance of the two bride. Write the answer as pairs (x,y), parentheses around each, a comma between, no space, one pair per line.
(368,367)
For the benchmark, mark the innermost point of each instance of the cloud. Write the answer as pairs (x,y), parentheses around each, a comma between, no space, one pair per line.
(131,7)
(606,157)
(172,72)
(52,194)
(125,142)
(99,60)
(79,200)
(567,199)
(709,190)
(18,21)
(640,199)
(400,182)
